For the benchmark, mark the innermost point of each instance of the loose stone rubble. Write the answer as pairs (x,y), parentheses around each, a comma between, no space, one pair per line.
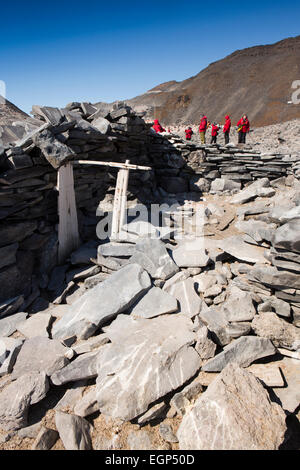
(170,338)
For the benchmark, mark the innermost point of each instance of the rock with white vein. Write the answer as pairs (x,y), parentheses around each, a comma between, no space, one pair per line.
(146,360)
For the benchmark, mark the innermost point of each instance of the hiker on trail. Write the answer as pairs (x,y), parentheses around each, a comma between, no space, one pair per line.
(226,129)
(243,128)
(157,127)
(202,129)
(188,133)
(214,133)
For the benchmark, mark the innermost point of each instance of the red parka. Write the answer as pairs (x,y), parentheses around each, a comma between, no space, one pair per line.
(227,124)
(157,127)
(188,134)
(214,130)
(245,124)
(203,124)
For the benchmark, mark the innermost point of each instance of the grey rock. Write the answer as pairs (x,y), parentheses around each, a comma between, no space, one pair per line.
(85,316)
(274,277)
(45,439)
(217,323)
(153,413)
(52,149)
(12,233)
(189,301)
(72,396)
(229,414)
(93,343)
(288,236)
(239,305)
(155,302)
(281,308)
(242,351)
(181,401)
(16,398)
(88,403)
(9,349)
(152,255)
(40,354)
(156,351)
(37,325)
(258,188)
(117,249)
(83,367)
(237,329)
(8,325)
(281,333)
(205,347)
(30,432)
(74,431)
(102,124)
(236,247)
(191,255)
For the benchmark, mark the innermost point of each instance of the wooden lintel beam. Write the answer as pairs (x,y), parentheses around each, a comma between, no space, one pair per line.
(125,166)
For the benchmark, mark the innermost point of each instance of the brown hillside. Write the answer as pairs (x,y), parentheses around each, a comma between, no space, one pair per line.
(256,81)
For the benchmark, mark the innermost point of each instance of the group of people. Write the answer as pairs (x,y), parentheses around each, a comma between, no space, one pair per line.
(243,127)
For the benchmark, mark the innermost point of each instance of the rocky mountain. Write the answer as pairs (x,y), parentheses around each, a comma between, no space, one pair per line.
(257,81)
(14,123)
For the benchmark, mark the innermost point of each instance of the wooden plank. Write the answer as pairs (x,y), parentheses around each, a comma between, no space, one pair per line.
(115,228)
(124,197)
(112,164)
(68,235)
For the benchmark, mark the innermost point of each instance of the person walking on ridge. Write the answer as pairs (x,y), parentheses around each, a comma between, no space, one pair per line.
(243,128)
(226,129)
(214,133)
(202,129)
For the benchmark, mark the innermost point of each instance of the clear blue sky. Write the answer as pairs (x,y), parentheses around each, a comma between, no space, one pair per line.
(54,52)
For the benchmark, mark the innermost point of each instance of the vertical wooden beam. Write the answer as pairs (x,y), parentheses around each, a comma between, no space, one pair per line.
(115,227)
(124,197)
(68,235)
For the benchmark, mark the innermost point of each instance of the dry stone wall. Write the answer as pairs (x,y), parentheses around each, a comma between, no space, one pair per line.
(28,179)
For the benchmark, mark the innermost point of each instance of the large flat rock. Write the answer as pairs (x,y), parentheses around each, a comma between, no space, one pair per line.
(154,303)
(236,247)
(279,331)
(242,351)
(235,413)
(103,302)
(40,354)
(146,360)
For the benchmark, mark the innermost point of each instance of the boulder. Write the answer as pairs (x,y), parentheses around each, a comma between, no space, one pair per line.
(235,413)
(152,255)
(98,305)
(281,333)
(239,305)
(16,398)
(143,353)
(288,236)
(40,354)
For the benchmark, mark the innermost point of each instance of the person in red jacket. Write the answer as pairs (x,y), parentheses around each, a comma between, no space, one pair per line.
(202,129)
(157,127)
(214,133)
(226,129)
(188,133)
(244,128)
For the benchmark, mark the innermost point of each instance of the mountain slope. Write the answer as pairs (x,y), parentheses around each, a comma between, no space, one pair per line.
(256,81)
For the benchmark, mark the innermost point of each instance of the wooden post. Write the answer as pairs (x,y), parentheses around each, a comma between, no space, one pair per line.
(68,235)
(120,202)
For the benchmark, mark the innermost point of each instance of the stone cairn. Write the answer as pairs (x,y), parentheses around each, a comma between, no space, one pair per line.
(152,328)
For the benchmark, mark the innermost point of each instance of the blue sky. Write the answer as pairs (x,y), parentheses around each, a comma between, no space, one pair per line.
(54,52)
